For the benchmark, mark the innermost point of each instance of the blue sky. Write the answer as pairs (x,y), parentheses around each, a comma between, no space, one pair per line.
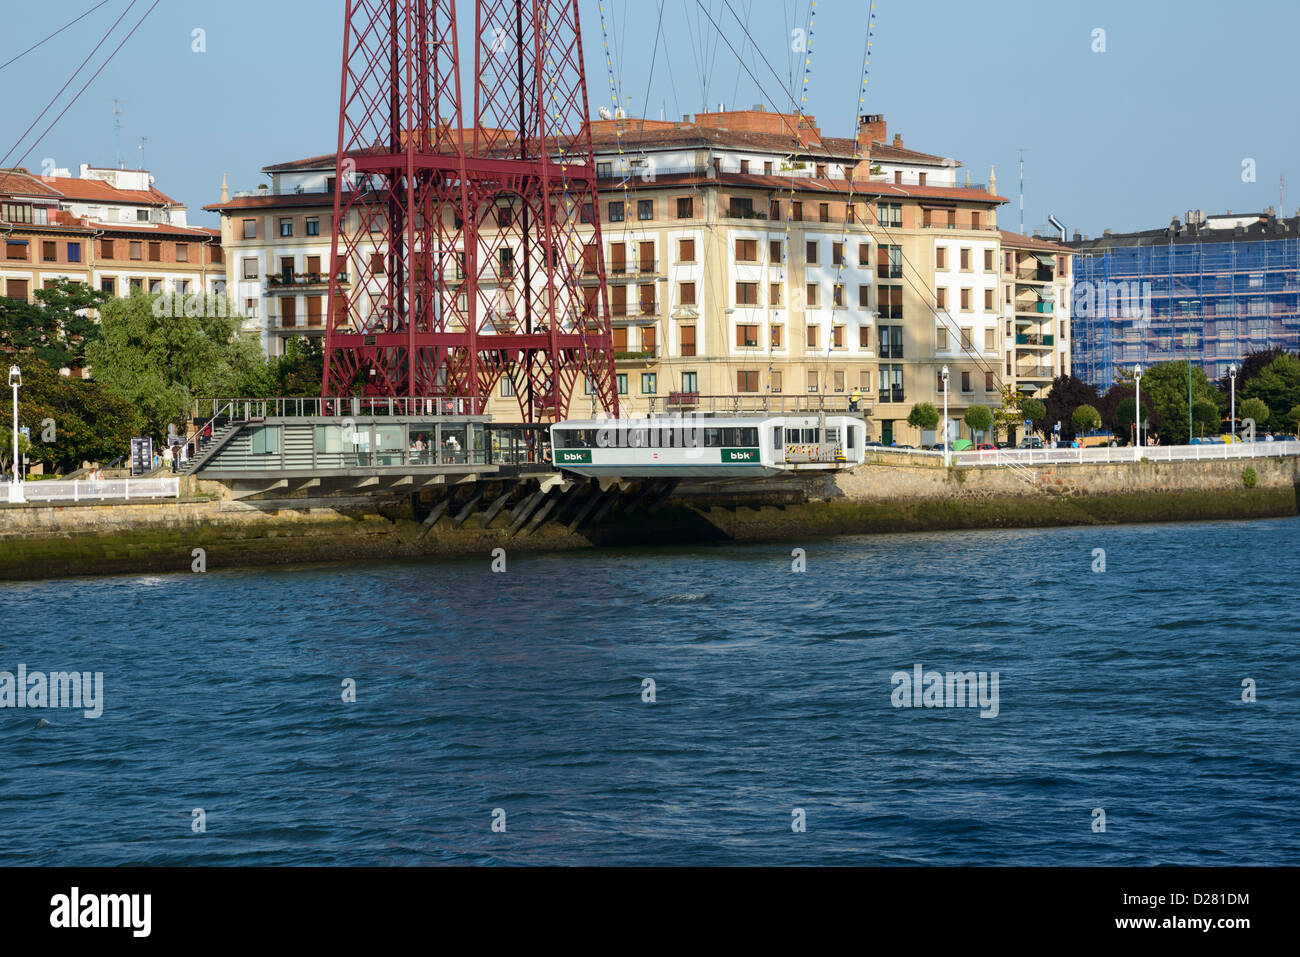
(1159,123)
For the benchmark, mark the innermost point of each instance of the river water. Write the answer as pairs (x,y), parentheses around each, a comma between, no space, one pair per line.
(520,698)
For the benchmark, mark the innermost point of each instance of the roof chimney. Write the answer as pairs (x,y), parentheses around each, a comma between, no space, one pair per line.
(993,181)
(225,190)
(898,140)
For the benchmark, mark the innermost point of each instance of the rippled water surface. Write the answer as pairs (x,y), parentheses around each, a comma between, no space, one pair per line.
(1119,690)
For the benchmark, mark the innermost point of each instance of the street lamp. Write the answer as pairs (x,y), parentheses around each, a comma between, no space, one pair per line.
(1137,412)
(946,457)
(15,380)
(1232,411)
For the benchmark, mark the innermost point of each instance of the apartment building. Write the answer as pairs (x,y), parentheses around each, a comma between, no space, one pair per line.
(1036,283)
(110,229)
(746,256)
(1209,289)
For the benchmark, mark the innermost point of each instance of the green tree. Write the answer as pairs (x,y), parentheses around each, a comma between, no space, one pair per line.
(1067,394)
(923,416)
(1206,416)
(160,363)
(73,420)
(1008,415)
(1256,409)
(1124,415)
(1035,411)
(56,328)
(979,418)
(1086,418)
(1165,387)
(1293,419)
(1278,386)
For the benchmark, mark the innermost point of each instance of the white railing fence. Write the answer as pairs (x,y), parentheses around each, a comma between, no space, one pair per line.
(86,490)
(1157,453)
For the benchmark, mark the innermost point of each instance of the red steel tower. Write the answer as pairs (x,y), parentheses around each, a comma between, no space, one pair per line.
(457,257)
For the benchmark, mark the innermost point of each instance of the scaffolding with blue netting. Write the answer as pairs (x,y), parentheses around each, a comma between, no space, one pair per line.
(1211,302)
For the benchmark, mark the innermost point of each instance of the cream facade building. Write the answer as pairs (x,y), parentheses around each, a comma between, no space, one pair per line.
(748,259)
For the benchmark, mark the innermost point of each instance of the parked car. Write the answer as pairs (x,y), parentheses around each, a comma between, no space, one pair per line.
(1030,442)
(986,447)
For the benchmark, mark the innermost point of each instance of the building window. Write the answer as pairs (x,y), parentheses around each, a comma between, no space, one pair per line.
(616,211)
(976,219)
(74,252)
(109,286)
(774,251)
(777,335)
(587,215)
(967,340)
(837,295)
(686,293)
(645,209)
(747,294)
(49,252)
(811,295)
(837,254)
(687,334)
(507,388)
(686,250)
(313,225)
(988,382)
(890,379)
(837,337)
(824,212)
(812,337)
(796,210)
(864,255)
(685,207)
(182,252)
(774,210)
(106,250)
(889,261)
(250,229)
(864,297)
(741,208)
(810,251)
(155,252)
(940,257)
(988,260)
(965,260)
(774,294)
(250,308)
(988,299)
(889,214)
(142,215)
(250,268)
(746,250)
(838,380)
(776,380)
(286,227)
(941,340)
(746,381)
(941,298)
(747,336)
(889,302)
(891,342)
(965,382)
(16,289)
(137,250)
(690,381)
(812,380)
(649,383)
(965,300)
(990,340)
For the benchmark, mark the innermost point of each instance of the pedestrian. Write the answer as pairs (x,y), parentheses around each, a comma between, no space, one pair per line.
(854,398)
(169,460)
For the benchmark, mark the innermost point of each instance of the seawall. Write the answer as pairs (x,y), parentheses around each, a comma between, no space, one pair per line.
(891,495)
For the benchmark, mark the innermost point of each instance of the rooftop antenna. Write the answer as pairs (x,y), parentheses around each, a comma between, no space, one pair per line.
(143,140)
(117,132)
(1281,188)
(1021,151)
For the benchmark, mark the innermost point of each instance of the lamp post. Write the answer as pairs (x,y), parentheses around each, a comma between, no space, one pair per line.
(1137,413)
(1232,409)
(15,488)
(946,457)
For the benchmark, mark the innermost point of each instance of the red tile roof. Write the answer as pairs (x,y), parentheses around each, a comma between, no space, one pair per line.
(97,191)
(19,182)
(1021,241)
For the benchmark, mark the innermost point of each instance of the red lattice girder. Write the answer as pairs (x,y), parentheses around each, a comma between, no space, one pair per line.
(456,245)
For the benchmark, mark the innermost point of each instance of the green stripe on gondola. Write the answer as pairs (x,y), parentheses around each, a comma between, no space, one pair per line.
(740,457)
(573,457)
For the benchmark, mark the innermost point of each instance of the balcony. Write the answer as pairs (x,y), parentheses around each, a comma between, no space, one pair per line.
(894,394)
(645,267)
(1041,274)
(639,357)
(1035,372)
(296,282)
(1029,339)
(889,272)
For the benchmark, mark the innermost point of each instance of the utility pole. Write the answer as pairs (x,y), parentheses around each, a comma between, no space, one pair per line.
(117,132)
(143,140)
